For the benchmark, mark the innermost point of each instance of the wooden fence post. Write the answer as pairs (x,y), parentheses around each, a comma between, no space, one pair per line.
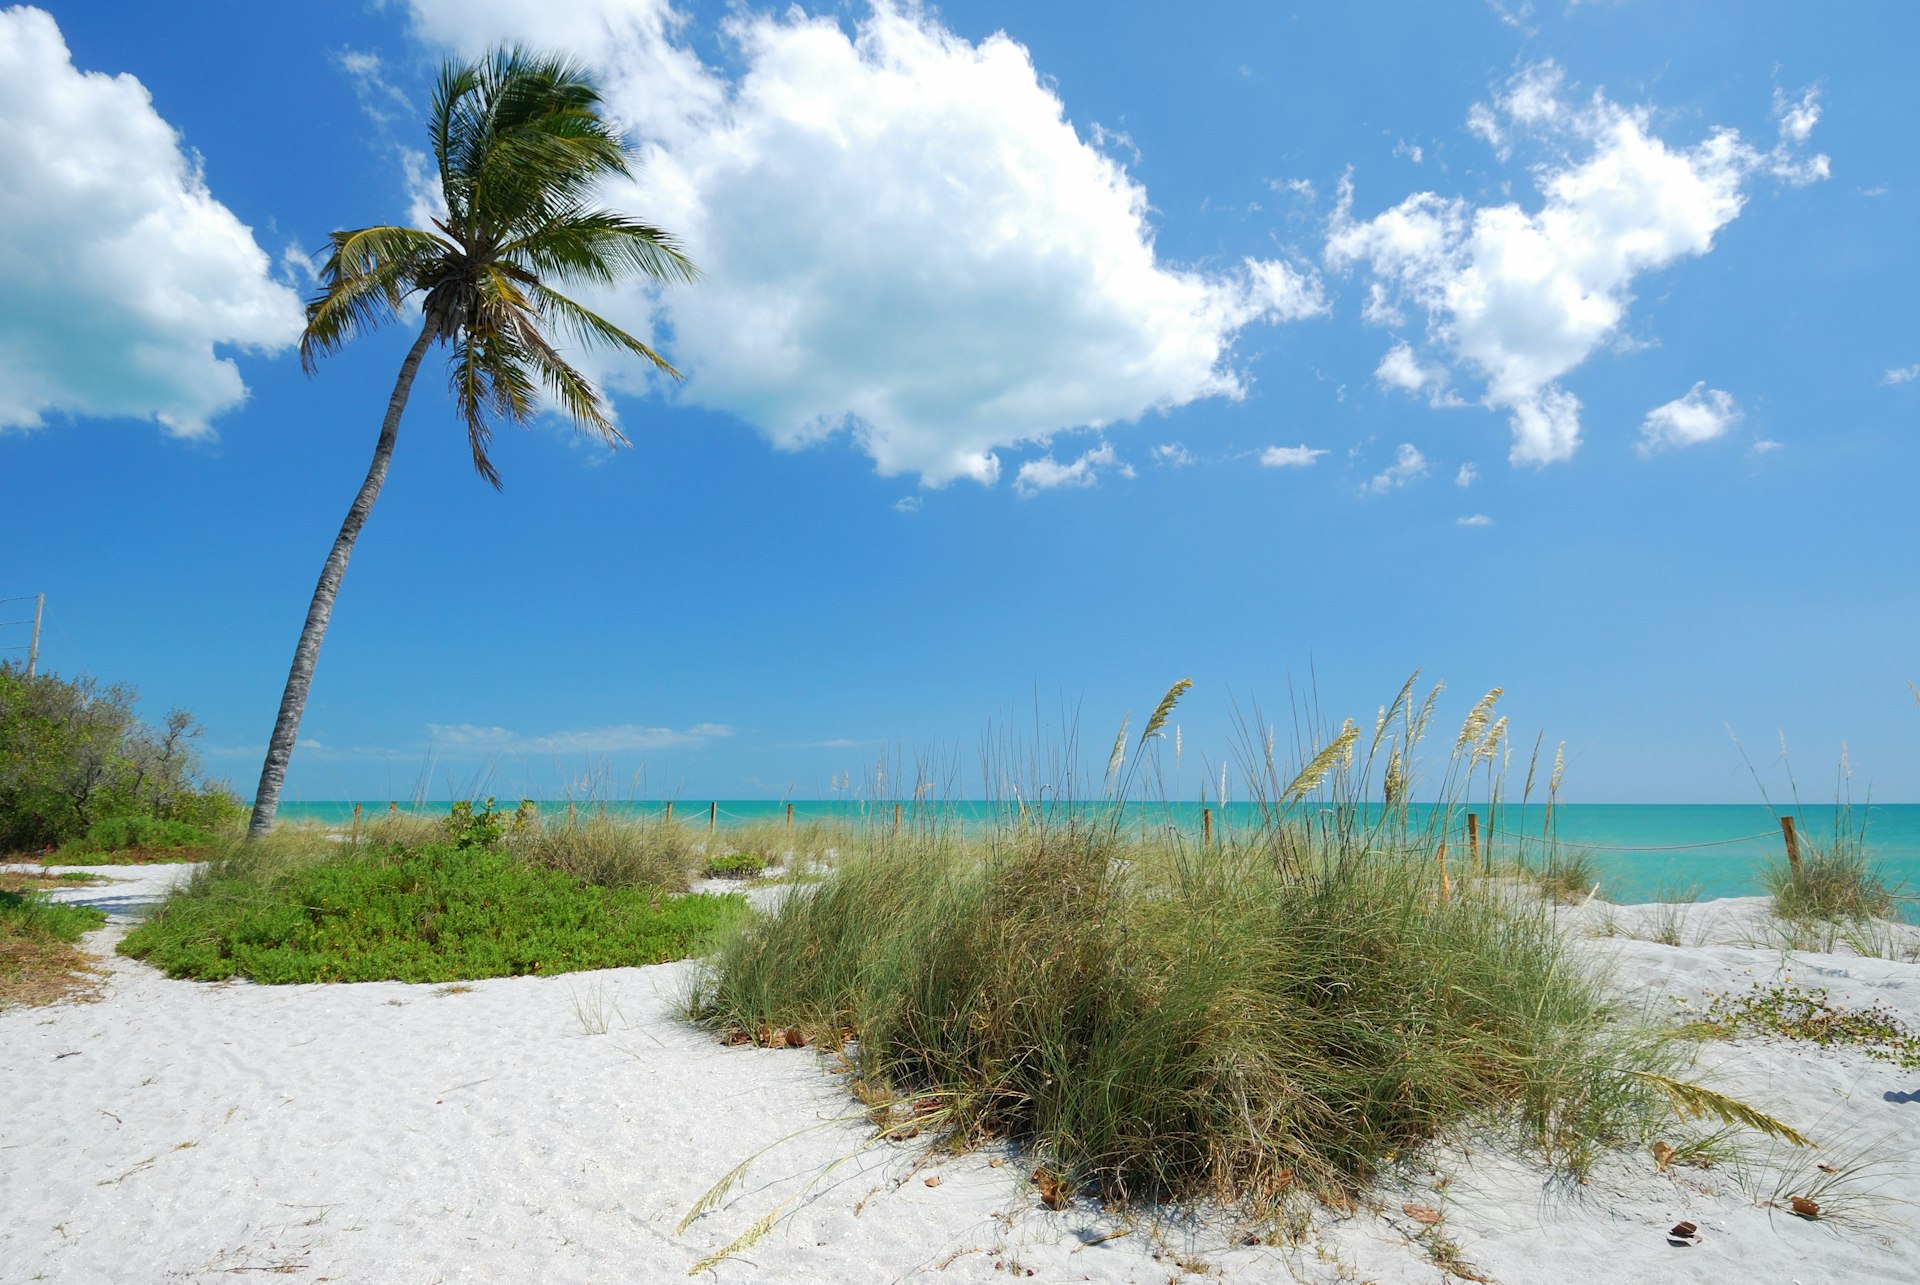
(1473,841)
(356,825)
(1445,888)
(393,809)
(789,816)
(1793,847)
(896,818)
(669,818)
(713,817)
(1206,827)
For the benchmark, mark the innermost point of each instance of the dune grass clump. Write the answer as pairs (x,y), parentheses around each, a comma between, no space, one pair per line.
(1834,884)
(611,853)
(40,961)
(1276,1014)
(298,912)
(1163,1022)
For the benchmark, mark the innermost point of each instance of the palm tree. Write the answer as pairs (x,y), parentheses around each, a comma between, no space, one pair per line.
(521,143)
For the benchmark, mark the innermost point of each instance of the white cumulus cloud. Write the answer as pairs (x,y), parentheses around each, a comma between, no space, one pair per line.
(1700,416)
(1522,297)
(903,237)
(1468,474)
(121,273)
(1289,456)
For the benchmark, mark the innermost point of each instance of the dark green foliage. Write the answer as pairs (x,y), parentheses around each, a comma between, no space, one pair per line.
(73,753)
(434,914)
(152,834)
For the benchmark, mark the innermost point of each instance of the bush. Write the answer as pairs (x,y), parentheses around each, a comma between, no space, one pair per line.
(149,834)
(73,753)
(434,914)
(735,865)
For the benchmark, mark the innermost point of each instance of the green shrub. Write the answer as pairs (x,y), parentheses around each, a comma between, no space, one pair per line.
(435,914)
(74,752)
(116,834)
(736,865)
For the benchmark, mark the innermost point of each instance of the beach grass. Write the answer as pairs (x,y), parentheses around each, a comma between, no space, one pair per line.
(1833,884)
(1159,1021)
(40,961)
(611,853)
(1280,1011)
(296,911)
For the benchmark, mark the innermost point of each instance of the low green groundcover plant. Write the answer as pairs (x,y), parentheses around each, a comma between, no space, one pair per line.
(1795,1012)
(38,959)
(432,914)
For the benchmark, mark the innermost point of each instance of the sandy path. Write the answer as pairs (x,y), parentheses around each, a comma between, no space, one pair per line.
(386,1132)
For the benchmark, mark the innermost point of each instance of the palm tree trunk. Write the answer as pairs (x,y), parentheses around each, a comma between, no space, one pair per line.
(293,701)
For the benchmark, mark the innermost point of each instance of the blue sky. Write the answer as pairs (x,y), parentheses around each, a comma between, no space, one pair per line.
(1044,355)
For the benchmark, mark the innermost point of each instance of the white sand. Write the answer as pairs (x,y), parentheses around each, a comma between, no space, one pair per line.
(176,1131)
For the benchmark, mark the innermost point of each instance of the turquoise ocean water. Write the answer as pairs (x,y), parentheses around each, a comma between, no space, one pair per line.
(1639,851)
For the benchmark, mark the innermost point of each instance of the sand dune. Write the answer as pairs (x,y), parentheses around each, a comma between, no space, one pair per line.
(557,1129)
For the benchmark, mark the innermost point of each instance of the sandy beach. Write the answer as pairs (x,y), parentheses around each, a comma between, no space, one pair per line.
(559,1129)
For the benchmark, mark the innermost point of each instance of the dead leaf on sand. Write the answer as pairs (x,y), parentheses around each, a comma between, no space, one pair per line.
(1805,1208)
(1662,1155)
(1421,1213)
(1052,1188)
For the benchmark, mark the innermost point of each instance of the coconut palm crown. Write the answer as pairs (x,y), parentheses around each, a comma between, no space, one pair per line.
(521,144)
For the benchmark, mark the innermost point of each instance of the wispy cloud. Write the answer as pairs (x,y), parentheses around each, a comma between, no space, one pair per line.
(1049,474)
(1289,456)
(469,738)
(1477,519)
(1408,465)
(1902,375)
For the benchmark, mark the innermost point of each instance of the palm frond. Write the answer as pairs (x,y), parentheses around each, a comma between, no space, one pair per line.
(589,327)
(367,274)
(599,245)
